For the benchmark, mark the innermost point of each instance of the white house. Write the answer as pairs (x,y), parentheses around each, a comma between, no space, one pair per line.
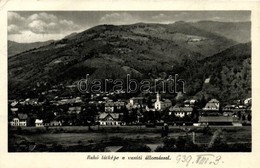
(213,104)
(181,111)
(39,123)
(109,119)
(55,123)
(136,100)
(109,106)
(20,120)
(189,103)
(15,122)
(248,101)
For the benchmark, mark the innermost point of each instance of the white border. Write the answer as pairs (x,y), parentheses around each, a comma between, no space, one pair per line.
(64,160)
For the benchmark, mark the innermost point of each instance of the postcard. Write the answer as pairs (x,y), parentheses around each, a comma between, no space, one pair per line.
(129,83)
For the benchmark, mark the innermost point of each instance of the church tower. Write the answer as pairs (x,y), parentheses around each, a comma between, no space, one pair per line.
(157,104)
(157,97)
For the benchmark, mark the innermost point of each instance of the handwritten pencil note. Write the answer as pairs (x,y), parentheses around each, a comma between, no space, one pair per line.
(201,159)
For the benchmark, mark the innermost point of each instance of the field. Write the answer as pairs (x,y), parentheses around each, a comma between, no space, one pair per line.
(85,137)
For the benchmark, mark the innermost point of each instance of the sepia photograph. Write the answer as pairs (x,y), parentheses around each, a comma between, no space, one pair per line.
(129,81)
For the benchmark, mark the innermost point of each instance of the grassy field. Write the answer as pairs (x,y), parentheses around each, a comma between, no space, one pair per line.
(79,135)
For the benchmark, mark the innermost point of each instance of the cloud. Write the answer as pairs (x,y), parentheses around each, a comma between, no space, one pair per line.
(163,18)
(70,25)
(49,23)
(38,26)
(119,18)
(13,29)
(14,17)
(43,16)
(29,36)
(40,23)
(166,19)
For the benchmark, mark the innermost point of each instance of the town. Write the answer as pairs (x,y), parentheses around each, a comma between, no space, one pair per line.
(115,109)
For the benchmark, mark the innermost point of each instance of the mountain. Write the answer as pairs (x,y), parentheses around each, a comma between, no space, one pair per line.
(16,48)
(70,35)
(225,76)
(108,51)
(237,31)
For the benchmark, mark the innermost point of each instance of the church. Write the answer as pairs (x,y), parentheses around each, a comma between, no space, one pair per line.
(161,104)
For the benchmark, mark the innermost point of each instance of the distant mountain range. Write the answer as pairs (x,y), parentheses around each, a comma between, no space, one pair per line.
(16,48)
(237,31)
(143,50)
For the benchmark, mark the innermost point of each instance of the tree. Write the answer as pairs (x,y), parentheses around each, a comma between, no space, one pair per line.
(249,117)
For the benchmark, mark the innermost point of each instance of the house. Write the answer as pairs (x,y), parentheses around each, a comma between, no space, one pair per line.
(55,123)
(136,100)
(109,106)
(118,105)
(15,122)
(229,107)
(74,110)
(14,103)
(112,106)
(216,120)
(31,101)
(161,104)
(20,120)
(189,103)
(23,119)
(146,108)
(109,119)
(213,104)
(39,123)
(248,101)
(181,111)
(14,109)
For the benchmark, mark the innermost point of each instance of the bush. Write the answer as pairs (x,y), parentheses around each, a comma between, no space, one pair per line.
(79,142)
(100,147)
(218,142)
(90,141)
(56,147)
(181,144)
(207,131)
(135,148)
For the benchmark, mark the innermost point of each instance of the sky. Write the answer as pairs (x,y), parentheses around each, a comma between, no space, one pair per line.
(32,26)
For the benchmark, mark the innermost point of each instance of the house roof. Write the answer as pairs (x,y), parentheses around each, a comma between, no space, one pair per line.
(113,115)
(77,108)
(191,101)
(119,103)
(213,101)
(167,101)
(137,98)
(181,109)
(37,121)
(109,104)
(211,105)
(14,103)
(216,119)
